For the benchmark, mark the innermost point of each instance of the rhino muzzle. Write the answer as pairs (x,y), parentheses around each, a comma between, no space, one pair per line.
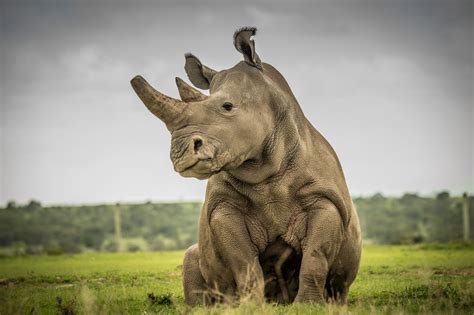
(194,157)
(166,108)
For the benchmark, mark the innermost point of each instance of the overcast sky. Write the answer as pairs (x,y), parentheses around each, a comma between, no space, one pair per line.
(388,83)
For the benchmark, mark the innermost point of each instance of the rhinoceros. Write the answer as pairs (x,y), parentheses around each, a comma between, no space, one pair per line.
(277,223)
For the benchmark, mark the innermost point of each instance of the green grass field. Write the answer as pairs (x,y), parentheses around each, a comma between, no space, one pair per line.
(392,279)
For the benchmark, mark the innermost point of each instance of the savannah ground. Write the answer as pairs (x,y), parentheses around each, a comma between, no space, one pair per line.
(392,279)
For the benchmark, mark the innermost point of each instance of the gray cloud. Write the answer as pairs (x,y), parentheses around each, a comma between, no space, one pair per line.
(389,83)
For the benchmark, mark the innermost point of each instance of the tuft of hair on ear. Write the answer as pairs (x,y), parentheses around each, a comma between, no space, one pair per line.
(244,43)
(250,29)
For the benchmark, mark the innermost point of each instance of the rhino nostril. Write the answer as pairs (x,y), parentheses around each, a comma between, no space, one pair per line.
(197,144)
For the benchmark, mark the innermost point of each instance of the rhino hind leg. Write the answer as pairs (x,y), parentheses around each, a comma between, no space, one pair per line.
(344,272)
(193,282)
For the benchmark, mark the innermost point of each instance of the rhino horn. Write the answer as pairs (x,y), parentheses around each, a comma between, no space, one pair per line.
(188,93)
(164,107)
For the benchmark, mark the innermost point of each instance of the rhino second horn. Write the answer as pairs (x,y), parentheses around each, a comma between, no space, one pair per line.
(164,107)
(188,93)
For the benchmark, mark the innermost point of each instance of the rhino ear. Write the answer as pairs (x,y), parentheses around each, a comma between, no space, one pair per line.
(244,43)
(200,75)
(188,93)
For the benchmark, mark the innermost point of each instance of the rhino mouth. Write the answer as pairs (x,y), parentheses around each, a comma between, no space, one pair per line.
(200,168)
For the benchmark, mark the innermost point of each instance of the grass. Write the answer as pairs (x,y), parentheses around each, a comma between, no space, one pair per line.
(392,280)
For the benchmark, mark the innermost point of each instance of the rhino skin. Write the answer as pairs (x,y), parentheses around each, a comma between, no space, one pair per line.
(277,223)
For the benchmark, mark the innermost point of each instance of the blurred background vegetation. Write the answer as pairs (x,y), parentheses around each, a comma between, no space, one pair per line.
(34,229)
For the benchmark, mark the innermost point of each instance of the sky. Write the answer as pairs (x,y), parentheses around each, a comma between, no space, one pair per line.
(388,83)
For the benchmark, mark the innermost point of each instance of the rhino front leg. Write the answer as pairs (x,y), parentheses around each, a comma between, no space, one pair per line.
(320,247)
(232,242)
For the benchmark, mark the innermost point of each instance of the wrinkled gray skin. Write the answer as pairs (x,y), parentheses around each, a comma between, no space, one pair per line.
(277,209)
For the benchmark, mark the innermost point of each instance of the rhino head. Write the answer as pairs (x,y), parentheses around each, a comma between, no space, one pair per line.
(225,130)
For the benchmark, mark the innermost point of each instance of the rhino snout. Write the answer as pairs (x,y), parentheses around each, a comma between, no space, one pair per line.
(193,157)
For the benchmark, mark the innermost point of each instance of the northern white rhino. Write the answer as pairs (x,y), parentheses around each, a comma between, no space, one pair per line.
(277,222)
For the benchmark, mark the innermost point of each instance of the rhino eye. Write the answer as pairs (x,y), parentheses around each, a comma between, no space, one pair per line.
(228,106)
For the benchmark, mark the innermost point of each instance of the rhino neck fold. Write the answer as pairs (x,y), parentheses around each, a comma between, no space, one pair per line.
(279,149)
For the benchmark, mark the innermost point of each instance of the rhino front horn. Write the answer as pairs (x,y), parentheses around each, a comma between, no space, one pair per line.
(164,107)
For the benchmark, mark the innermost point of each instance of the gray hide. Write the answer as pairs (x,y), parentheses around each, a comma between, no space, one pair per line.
(277,223)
